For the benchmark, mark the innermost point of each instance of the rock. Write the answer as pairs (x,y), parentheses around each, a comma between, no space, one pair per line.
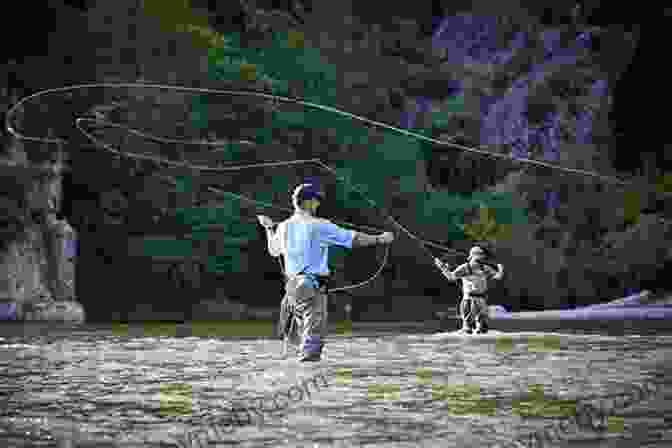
(55,311)
(496,309)
(8,311)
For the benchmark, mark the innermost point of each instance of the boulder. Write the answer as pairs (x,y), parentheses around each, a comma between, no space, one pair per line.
(8,311)
(54,311)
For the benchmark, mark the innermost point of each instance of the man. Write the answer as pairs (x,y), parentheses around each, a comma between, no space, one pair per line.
(475,275)
(303,241)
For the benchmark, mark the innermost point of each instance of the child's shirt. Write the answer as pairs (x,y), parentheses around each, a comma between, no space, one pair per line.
(474,278)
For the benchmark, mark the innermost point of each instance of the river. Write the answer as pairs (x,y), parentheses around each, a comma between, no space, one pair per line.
(105,387)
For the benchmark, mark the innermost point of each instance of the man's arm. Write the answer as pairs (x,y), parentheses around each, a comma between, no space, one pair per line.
(271,235)
(273,243)
(330,234)
(363,240)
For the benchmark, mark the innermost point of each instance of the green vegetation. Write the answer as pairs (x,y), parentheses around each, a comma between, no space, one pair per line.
(288,65)
(464,399)
(175,400)
(537,405)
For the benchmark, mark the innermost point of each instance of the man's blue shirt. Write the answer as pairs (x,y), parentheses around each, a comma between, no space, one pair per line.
(304,242)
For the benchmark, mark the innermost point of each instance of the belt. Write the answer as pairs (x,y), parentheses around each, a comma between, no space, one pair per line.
(475,294)
(322,280)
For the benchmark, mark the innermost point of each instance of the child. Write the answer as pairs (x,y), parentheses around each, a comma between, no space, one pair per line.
(475,275)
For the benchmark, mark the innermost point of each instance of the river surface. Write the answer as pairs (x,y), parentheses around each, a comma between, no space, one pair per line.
(100,387)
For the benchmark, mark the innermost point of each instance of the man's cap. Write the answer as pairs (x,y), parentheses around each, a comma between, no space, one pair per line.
(306,192)
(310,191)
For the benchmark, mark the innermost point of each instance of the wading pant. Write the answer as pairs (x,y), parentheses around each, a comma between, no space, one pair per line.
(303,314)
(474,311)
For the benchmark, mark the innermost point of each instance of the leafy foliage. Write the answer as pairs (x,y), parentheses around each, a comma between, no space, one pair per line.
(178,16)
(291,65)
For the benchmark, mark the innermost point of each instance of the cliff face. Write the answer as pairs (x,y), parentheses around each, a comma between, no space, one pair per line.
(38,263)
(513,79)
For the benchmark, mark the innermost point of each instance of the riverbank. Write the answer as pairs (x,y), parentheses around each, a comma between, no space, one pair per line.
(266,329)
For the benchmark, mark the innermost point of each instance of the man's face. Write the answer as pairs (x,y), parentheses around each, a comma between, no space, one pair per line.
(314,204)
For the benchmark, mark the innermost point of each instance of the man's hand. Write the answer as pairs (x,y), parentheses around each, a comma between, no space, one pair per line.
(265,221)
(387,237)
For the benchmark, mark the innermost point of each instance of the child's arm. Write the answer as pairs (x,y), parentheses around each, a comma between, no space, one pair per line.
(451,276)
(498,274)
(444,269)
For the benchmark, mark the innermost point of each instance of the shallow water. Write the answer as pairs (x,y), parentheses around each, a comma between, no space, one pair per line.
(93,388)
